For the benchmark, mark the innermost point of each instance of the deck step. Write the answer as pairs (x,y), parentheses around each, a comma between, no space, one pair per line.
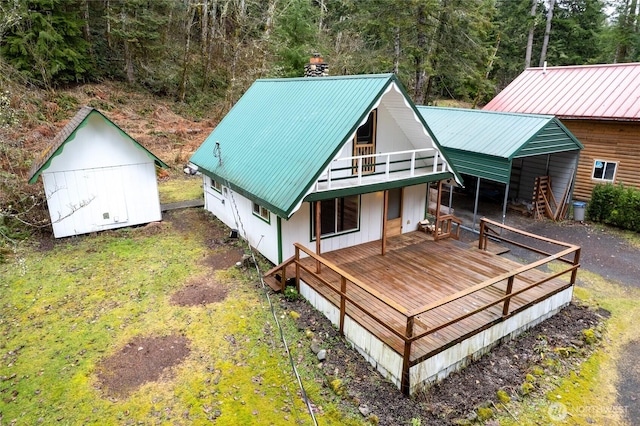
(272,282)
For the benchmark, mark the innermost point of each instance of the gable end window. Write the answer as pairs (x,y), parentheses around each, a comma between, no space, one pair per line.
(364,143)
(261,212)
(604,170)
(337,216)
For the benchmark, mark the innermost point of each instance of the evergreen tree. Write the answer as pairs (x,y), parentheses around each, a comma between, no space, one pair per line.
(135,33)
(47,44)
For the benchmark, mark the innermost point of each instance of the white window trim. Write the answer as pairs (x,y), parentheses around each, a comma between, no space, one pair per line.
(214,185)
(615,170)
(263,214)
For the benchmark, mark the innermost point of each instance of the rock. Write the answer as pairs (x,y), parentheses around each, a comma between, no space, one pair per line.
(364,410)
(315,347)
(322,354)
(576,343)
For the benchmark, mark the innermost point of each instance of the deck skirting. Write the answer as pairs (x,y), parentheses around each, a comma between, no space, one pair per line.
(434,369)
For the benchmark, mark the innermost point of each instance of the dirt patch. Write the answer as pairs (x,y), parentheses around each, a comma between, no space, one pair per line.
(199,294)
(144,359)
(224,259)
(457,397)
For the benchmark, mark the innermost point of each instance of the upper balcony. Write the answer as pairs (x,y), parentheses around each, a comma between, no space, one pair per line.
(371,168)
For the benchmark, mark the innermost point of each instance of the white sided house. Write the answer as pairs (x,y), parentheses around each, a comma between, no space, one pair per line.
(294,150)
(330,178)
(96,177)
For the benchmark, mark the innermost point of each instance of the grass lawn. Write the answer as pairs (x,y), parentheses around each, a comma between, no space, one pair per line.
(66,309)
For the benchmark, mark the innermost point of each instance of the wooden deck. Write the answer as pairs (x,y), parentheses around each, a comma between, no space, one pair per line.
(423,297)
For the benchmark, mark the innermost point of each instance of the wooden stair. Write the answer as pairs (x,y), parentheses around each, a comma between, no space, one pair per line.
(274,276)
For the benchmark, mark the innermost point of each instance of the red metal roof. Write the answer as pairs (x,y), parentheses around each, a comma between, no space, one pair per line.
(599,92)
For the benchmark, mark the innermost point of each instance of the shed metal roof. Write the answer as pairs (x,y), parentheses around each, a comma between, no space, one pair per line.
(483,143)
(68,133)
(282,134)
(597,92)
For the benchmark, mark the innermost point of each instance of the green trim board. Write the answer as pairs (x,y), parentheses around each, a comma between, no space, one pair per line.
(282,134)
(279,237)
(69,132)
(377,187)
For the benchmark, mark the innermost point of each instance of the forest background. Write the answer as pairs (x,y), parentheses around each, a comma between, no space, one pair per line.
(199,56)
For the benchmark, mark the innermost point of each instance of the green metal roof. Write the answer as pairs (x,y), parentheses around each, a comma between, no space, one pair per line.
(483,143)
(68,133)
(282,134)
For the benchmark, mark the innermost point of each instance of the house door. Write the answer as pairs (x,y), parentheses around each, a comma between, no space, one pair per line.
(364,143)
(394,212)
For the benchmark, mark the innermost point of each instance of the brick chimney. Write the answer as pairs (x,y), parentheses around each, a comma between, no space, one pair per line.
(316,67)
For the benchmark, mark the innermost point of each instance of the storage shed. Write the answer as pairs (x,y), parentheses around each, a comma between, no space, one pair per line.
(508,150)
(96,177)
(598,104)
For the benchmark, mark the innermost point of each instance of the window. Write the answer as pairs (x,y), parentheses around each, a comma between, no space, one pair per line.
(260,211)
(604,170)
(337,215)
(217,186)
(364,143)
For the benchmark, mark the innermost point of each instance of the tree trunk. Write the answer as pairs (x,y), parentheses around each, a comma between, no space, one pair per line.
(396,50)
(418,58)
(527,59)
(547,32)
(107,8)
(206,61)
(128,55)
(185,64)
(323,10)
(204,28)
(628,26)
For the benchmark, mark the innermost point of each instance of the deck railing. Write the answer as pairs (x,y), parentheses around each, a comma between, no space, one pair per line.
(384,166)
(406,329)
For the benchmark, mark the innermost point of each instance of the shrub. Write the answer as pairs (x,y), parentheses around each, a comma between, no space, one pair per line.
(615,205)
(291,294)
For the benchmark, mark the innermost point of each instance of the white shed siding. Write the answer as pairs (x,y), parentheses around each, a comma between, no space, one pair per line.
(100,180)
(97,144)
(91,200)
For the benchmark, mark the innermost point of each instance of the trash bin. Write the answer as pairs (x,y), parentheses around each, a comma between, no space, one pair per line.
(578,210)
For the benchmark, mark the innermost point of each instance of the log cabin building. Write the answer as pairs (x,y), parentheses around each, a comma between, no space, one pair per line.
(599,104)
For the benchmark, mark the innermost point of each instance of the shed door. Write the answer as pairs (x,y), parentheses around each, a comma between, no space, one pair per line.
(111,203)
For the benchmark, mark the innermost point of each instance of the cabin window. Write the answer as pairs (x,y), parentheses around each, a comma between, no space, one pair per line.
(364,143)
(261,212)
(217,186)
(337,216)
(604,170)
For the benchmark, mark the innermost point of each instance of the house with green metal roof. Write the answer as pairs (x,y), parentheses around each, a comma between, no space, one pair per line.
(96,177)
(318,161)
(507,151)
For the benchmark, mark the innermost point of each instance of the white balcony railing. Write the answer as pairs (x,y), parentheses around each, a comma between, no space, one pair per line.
(356,171)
